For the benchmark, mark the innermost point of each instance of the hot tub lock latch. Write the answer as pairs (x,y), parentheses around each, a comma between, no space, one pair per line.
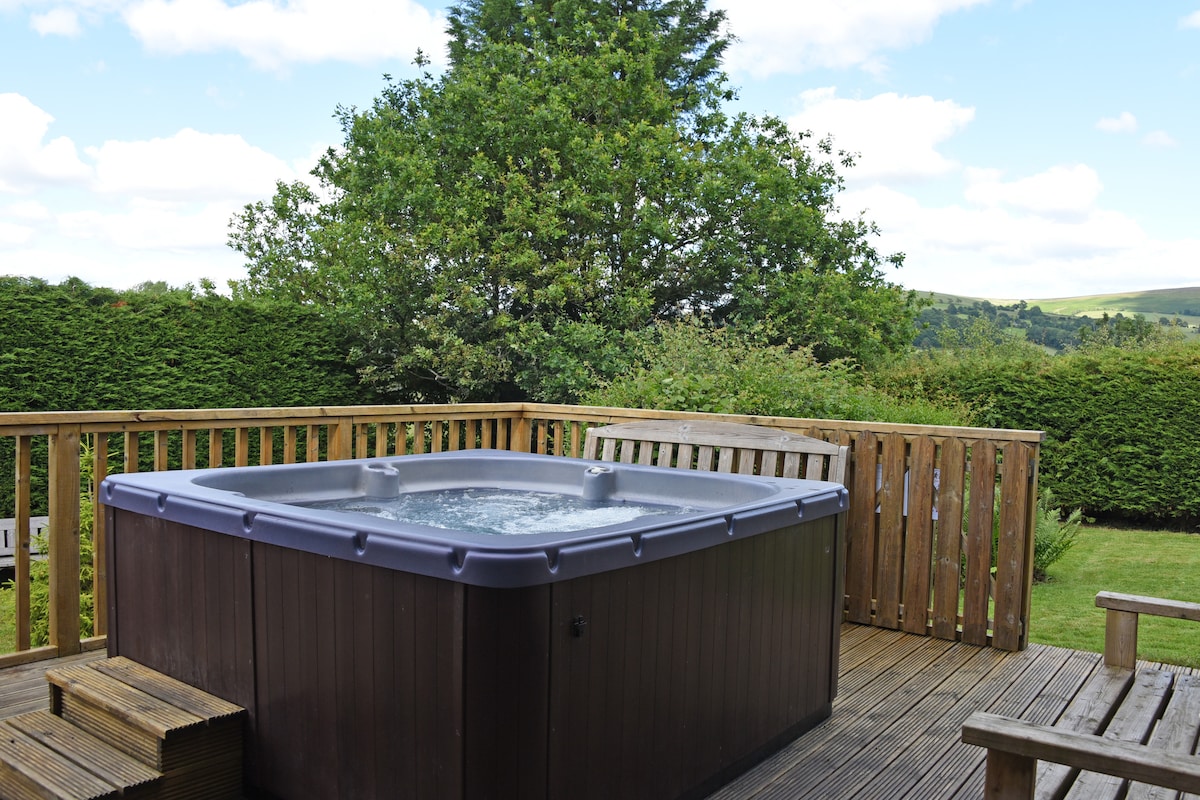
(577,626)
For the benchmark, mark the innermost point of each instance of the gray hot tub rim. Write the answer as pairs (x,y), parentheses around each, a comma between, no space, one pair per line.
(738,506)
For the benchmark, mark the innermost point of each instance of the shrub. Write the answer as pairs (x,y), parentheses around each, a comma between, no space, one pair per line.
(684,367)
(1054,535)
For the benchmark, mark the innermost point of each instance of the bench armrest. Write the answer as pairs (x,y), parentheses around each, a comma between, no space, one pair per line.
(1014,747)
(1137,604)
(1120,630)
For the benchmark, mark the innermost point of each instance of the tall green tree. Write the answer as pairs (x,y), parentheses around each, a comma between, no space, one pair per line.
(498,230)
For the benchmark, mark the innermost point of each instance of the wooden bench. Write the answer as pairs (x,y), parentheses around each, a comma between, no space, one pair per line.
(719,446)
(1128,730)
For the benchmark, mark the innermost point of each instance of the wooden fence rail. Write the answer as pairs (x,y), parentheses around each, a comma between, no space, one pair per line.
(939,531)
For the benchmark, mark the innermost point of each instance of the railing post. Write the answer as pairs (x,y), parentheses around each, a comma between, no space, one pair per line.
(64,539)
(1120,638)
(521,435)
(341,439)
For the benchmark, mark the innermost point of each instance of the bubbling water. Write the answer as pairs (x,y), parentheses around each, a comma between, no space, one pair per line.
(504,512)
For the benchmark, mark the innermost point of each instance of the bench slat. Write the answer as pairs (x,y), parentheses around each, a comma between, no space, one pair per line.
(1088,713)
(1177,732)
(1133,723)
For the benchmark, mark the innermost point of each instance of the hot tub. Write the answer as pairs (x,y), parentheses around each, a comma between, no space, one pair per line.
(656,656)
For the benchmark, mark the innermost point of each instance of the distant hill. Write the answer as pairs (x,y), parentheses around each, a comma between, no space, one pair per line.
(1055,323)
(1153,304)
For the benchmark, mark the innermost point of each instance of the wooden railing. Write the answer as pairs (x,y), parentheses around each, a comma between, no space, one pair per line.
(939,530)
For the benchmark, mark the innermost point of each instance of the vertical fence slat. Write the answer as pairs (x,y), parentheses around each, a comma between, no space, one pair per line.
(980,518)
(312,441)
(1030,531)
(189,448)
(266,445)
(860,530)
(362,439)
(289,444)
(891,533)
(24,464)
(241,446)
(918,540)
(64,539)
(948,579)
(99,538)
(130,463)
(1010,556)
(576,439)
(162,450)
(216,447)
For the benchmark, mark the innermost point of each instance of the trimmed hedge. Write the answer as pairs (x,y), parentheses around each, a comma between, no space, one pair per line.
(1122,425)
(71,347)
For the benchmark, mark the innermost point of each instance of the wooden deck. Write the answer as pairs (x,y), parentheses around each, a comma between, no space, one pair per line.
(895,727)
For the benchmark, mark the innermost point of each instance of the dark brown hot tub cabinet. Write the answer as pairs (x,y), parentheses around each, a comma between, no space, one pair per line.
(376,662)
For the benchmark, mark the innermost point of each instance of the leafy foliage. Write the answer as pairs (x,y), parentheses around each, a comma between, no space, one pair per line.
(1054,535)
(686,367)
(568,179)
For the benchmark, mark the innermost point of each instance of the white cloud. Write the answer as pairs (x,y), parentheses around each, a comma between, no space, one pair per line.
(152,226)
(13,234)
(1192,20)
(1014,253)
(1124,123)
(188,166)
(273,35)
(122,269)
(30,210)
(1062,192)
(896,137)
(58,22)
(787,36)
(1159,139)
(27,160)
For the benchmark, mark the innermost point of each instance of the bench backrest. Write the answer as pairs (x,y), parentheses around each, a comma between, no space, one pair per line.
(719,446)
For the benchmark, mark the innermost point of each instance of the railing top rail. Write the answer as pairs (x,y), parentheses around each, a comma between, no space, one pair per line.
(41,421)
(34,423)
(617,415)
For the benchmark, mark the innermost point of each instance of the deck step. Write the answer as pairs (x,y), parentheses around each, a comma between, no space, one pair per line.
(42,756)
(192,738)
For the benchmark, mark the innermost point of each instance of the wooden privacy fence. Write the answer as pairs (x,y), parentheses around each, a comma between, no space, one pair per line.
(939,530)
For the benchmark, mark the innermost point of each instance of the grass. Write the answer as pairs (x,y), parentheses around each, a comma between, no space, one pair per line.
(1158,564)
(8,618)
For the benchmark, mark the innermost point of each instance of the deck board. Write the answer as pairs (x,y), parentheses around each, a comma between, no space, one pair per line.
(894,732)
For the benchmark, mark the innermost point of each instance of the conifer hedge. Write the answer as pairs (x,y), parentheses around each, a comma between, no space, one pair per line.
(1122,424)
(73,347)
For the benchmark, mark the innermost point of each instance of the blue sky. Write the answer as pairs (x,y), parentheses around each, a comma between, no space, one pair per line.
(1012,149)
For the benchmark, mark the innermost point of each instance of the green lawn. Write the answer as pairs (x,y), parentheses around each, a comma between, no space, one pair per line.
(1135,562)
(8,619)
